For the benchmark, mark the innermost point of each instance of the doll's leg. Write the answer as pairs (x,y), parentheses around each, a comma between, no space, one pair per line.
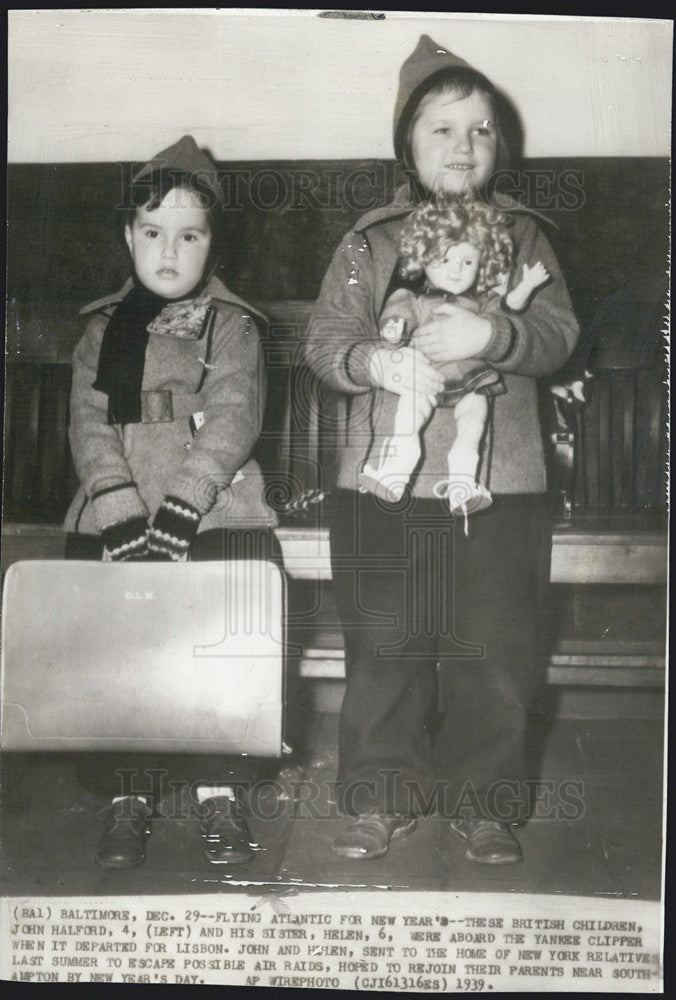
(461,490)
(471,413)
(400,453)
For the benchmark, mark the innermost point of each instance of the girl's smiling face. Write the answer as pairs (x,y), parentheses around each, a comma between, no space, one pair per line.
(170,244)
(454,142)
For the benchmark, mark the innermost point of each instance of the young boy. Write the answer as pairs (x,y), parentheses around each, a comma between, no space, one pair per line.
(166,406)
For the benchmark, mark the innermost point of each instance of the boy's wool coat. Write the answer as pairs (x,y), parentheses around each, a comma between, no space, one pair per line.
(165,458)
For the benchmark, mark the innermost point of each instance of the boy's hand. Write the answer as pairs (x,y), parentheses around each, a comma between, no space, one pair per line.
(125,541)
(404,370)
(173,529)
(455,335)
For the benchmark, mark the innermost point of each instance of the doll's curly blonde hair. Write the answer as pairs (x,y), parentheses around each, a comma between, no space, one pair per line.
(435,226)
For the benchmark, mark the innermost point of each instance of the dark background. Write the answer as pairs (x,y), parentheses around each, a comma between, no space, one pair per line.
(62,250)
(284,220)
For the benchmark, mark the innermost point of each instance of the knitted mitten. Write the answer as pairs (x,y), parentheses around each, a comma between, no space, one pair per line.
(126,541)
(121,517)
(174,528)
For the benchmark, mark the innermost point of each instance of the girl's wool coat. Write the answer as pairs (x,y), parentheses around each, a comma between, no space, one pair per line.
(344,333)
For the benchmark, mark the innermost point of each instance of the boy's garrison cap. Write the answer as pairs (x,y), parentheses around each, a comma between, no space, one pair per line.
(185,156)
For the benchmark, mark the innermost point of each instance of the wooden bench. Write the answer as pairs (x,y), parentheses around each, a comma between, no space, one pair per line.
(609,551)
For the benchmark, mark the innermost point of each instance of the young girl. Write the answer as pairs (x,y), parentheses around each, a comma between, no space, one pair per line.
(166,407)
(460,246)
(412,591)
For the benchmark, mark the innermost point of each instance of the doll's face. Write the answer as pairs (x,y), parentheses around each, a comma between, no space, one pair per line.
(458,271)
(170,244)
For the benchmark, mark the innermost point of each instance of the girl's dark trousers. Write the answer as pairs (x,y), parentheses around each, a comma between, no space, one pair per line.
(156,775)
(420,601)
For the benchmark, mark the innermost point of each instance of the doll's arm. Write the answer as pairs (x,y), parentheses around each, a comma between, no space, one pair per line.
(539,340)
(533,277)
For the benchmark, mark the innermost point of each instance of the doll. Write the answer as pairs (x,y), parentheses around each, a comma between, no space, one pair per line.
(465,253)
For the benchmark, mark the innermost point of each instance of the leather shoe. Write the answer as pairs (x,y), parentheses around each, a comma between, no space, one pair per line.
(226,831)
(369,836)
(488,842)
(126,827)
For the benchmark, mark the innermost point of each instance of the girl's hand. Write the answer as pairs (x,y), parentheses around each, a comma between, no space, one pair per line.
(456,335)
(404,370)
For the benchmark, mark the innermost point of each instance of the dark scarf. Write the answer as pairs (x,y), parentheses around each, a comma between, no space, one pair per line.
(123,351)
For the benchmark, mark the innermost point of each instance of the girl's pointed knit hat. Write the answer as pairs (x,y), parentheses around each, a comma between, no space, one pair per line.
(428,63)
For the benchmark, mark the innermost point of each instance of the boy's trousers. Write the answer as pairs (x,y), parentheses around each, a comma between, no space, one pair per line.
(421,601)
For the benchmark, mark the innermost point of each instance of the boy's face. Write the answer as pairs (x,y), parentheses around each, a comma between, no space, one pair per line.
(458,271)
(170,244)
(454,142)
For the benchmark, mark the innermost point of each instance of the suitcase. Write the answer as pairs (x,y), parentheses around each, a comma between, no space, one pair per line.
(158,657)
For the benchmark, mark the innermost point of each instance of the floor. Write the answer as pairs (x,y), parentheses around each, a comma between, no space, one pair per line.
(613,848)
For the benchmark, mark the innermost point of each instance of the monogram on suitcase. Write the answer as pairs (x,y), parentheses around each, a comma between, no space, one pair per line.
(181,658)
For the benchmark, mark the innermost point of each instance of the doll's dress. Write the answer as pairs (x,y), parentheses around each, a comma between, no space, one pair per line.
(460,377)
(403,313)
